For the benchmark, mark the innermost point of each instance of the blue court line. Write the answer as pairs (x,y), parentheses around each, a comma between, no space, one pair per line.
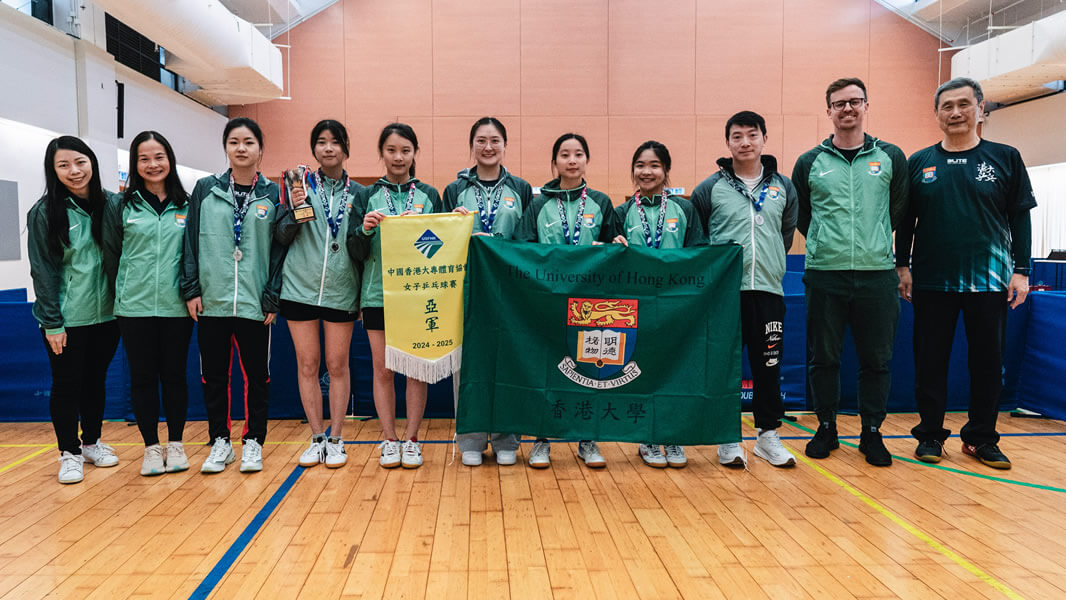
(220,569)
(784,437)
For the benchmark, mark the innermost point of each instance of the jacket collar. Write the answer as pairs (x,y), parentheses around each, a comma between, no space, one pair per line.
(867,143)
(221,186)
(470,175)
(396,187)
(552,189)
(769,165)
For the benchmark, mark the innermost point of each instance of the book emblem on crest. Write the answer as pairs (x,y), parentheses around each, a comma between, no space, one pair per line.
(601,335)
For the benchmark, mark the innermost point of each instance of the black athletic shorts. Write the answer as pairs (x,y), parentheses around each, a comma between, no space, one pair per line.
(374,318)
(296,311)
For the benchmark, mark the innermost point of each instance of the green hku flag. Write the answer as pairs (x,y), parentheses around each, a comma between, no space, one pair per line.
(602,342)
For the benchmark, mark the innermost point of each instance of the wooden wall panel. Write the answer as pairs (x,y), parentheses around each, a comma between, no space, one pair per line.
(739,59)
(618,71)
(652,49)
(564,57)
(476,57)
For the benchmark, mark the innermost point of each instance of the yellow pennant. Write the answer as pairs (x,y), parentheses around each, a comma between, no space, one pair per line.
(423,265)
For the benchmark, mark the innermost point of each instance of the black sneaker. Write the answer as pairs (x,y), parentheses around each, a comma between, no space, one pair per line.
(871,444)
(929,451)
(988,454)
(824,441)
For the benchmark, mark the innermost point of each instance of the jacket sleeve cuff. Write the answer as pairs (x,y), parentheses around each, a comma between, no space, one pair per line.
(1022,271)
(55,331)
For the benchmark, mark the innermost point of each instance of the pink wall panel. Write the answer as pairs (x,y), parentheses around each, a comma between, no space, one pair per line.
(618,71)
(564,57)
(652,50)
(739,56)
(476,57)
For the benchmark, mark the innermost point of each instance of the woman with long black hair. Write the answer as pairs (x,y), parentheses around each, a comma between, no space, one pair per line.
(230,281)
(143,233)
(74,302)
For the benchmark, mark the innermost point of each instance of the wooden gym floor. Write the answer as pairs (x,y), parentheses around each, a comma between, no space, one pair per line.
(829,529)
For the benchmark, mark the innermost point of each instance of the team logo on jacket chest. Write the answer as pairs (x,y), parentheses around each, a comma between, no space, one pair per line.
(589,220)
(509,202)
(261,210)
(773,192)
(929,175)
(601,335)
(875,168)
(179,220)
(671,225)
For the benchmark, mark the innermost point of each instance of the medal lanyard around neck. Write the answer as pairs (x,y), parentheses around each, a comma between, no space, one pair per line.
(488,217)
(240,209)
(407,206)
(644,221)
(334,222)
(762,196)
(567,237)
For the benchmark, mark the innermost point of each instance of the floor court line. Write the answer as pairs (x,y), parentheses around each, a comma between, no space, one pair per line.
(906,526)
(1039,486)
(15,463)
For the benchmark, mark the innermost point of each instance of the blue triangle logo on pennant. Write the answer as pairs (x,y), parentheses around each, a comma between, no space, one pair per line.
(428,244)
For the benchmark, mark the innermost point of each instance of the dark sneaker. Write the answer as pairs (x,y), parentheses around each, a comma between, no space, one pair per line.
(929,451)
(871,444)
(988,454)
(824,441)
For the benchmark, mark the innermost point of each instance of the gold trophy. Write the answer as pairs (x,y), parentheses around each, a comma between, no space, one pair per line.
(295,178)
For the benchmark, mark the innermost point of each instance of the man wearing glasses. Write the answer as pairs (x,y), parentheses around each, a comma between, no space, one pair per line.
(971,199)
(852,191)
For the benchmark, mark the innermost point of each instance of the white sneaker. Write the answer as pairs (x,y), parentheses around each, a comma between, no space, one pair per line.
(675,456)
(99,454)
(412,455)
(506,457)
(540,455)
(652,456)
(70,467)
(153,461)
(315,453)
(390,454)
(251,456)
(769,448)
(336,455)
(220,456)
(472,458)
(590,453)
(732,455)
(176,459)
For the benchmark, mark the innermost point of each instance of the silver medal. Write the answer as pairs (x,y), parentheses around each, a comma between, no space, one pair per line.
(237,254)
(758,219)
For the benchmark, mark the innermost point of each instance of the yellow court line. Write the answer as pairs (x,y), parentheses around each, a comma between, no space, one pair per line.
(18,462)
(918,533)
(45,445)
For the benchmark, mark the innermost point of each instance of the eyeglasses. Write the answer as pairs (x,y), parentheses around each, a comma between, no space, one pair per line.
(853,102)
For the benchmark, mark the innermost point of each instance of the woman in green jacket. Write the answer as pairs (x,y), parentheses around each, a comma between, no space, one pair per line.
(652,218)
(398,193)
(498,198)
(73,303)
(320,284)
(143,234)
(570,213)
(230,281)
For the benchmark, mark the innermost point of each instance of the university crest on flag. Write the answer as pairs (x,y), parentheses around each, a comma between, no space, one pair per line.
(601,334)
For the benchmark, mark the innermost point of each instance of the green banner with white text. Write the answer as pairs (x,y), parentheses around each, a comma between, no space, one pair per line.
(604,342)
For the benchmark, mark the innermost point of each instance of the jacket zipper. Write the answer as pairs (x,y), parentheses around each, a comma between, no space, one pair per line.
(325,255)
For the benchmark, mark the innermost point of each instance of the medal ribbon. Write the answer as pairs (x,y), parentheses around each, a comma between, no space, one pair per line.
(407,206)
(762,195)
(240,209)
(658,226)
(488,217)
(567,237)
(334,222)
